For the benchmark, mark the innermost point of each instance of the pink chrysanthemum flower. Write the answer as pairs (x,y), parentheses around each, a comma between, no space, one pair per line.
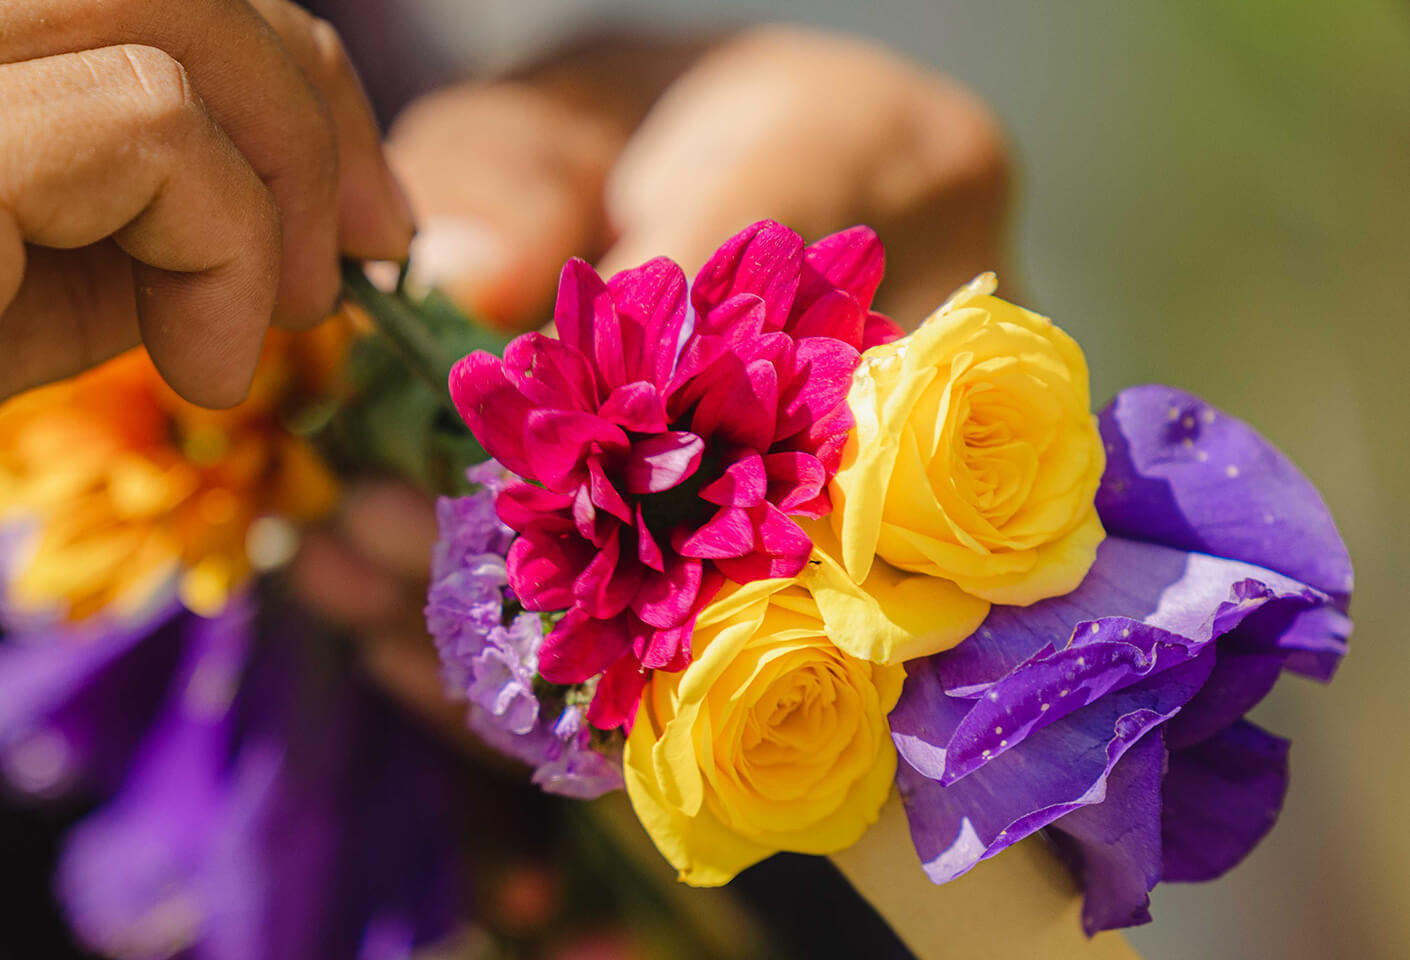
(669,437)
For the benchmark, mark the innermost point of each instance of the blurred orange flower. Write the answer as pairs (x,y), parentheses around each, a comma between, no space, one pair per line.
(121,492)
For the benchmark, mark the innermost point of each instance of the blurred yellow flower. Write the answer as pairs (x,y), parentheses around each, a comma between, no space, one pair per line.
(119,492)
(772,739)
(975,457)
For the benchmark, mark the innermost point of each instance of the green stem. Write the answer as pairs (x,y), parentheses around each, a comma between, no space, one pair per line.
(398,322)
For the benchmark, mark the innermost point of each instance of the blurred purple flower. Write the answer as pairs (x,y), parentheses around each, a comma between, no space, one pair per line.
(261,804)
(1115,715)
(492,661)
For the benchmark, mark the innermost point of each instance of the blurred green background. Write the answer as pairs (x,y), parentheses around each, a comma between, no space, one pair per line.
(1214,195)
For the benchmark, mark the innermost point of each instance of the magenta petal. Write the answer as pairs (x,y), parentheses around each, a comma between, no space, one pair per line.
(739,405)
(827,437)
(852,260)
(603,494)
(609,582)
(558,441)
(880,329)
(765,259)
(650,301)
(618,695)
(492,408)
(795,479)
(580,647)
(782,549)
(729,533)
(736,320)
(550,373)
(743,484)
(523,506)
(542,569)
(822,376)
(661,462)
(668,599)
(583,305)
(648,551)
(667,649)
(836,314)
(636,406)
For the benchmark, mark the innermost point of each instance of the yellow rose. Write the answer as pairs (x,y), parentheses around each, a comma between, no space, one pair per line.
(975,456)
(772,739)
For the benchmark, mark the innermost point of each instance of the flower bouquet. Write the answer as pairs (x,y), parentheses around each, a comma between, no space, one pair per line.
(788,575)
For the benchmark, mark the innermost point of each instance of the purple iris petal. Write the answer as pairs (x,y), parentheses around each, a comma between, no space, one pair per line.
(1114,845)
(1181,473)
(1221,569)
(1222,796)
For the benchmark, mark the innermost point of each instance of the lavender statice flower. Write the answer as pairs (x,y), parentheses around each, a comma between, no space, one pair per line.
(1114,716)
(489,652)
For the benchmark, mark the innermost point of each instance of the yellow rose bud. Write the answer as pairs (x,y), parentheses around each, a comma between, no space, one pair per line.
(975,457)
(772,739)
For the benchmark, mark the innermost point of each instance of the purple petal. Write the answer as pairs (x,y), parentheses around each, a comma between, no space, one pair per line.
(1222,797)
(1115,845)
(661,462)
(1056,770)
(1186,475)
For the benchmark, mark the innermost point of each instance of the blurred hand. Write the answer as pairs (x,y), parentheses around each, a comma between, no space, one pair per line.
(623,151)
(179,171)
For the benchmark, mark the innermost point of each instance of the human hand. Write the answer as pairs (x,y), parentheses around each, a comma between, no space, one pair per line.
(572,158)
(180,172)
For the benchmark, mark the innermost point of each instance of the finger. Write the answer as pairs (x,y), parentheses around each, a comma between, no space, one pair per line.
(251,88)
(374,217)
(115,142)
(333,580)
(506,178)
(393,527)
(819,132)
(507,185)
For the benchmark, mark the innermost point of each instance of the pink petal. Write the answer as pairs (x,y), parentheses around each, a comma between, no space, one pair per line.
(661,462)
(618,695)
(783,549)
(591,524)
(834,314)
(794,479)
(609,582)
(819,381)
(583,305)
(743,484)
(852,260)
(541,569)
(492,408)
(667,599)
(648,551)
(603,494)
(636,406)
(729,533)
(523,506)
(764,258)
(650,301)
(578,648)
(737,319)
(827,437)
(738,404)
(880,329)
(663,649)
(557,442)
(550,373)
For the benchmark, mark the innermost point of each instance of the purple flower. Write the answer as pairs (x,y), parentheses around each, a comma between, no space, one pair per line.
(1114,716)
(257,807)
(492,659)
